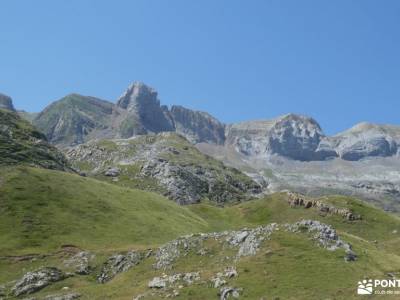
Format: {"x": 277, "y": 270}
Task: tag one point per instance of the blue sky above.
{"x": 337, "y": 61}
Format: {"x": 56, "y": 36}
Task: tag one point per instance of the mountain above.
{"x": 367, "y": 140}
{"x": 143, "y": 113}
{"x": 166, "y": 163}
{"x": 292, "y": 152}
{"x": 197, "y": 126}
{"x": 21, "y": 143}
{"x": 288, "y": 152}
{"x": 6, "y": 102}
{"x": 292, "y": 136}
{"x": 64, "y": 236}
{"x": 96, "y": 223}
{"x": 74, "y": 119}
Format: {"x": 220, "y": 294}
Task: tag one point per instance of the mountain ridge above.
{"x": 138, "y": 111}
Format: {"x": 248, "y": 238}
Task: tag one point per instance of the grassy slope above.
{"x": 41, "y": 210}
{"x": 20, "y": 142}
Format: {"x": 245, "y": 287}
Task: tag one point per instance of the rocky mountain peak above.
{"x": 197, "y": 126}
{"x": 143, "y": 112}
{"x": 136, "y": 95}
{"x": 297, "y": 137}
{"x": 6, "y": 102}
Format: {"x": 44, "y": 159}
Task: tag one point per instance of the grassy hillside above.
{"x": 20, "y": 142}
{"x": 42, "y": 210}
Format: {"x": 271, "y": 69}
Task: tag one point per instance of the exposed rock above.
{"x": 166, "y": 281}
{"x": 218, "y": 281}
{"x": 117, "y": 264}
{"x": 113, "y": 172}
{"x": 2, "y": 291}
{"x": 295, "y": 200}
{"x": 249, "y": 138}
{"x": 6, "y": 102}
{"x": 324, "y": 234}
{"x": 157, "y": 283}
{"x": 197, "y": 126}
{"x": 190, "y": 278}
{"x": 227, "y": 292}
{"x": 36, "y": 280}
{"x": 176, "y": 167}
{"x": 220, "y": 278}
{"x": 168, "y": 253}
{"x": 71, "y": 296}
{"x": 80, "y": 262}
{"x": 75, "y": 119}
{"x": 144, "y": 113}
{"x": 293, "y": 136}
{"x": 365, "y": 140}
{"x": 298, "y": 137}
{"x": 247, "y": 243}
{"x": 231, "y": 272}
{"x": 350, "y": 256}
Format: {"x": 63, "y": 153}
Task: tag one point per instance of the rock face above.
{"x": 6, "y": 102}
{"x": 366, "y": 140}
{"x": 197, "y": 126}
{"x": 36, "y": 280}
{"x": 75, "y": 119}
{"x": 292, "y": 136}
{"x": 297, "y": 200}
{"x": 143, "y": 112}
{"x": 299, "y": 138}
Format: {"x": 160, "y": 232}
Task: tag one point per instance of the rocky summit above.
{"x": 6, "y": 102}
{"x": 143, "y": 113}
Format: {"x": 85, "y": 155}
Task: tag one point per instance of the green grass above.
{"x": 40, "y": 210}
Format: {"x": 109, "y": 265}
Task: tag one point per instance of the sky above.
{"x": 336, "y": 61}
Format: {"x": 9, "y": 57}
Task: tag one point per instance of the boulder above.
{"x": 36, "y": 280}
{"x": 117, "y": 264}
{"x": 80, "y": 262}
